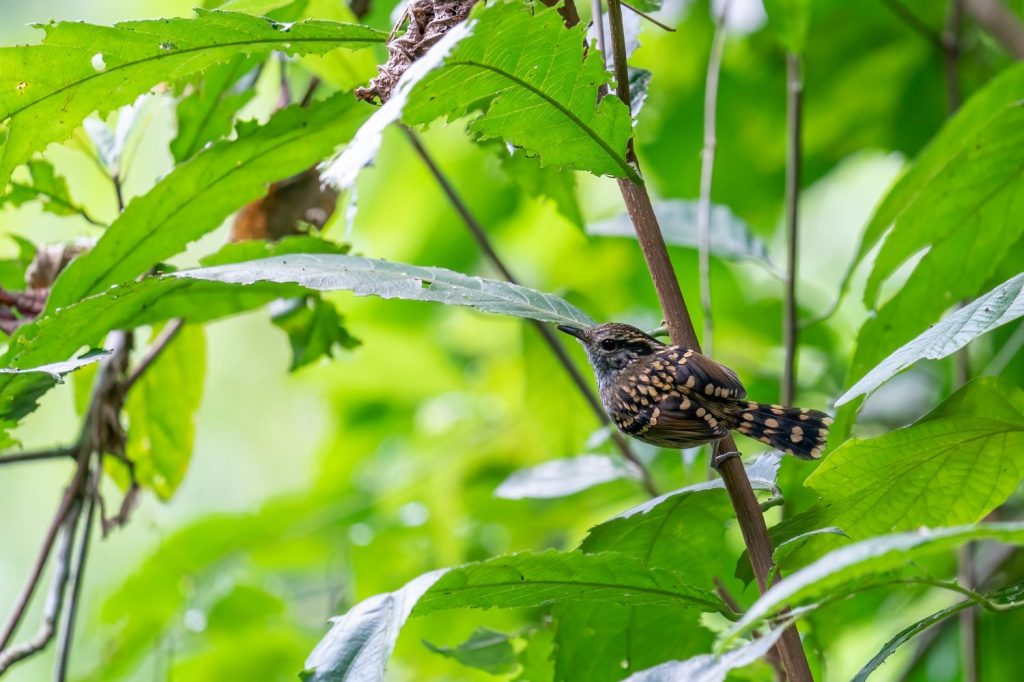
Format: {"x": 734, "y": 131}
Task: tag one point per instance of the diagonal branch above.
{"x": 480, "y": 235}
{"x": 677, "y": 318}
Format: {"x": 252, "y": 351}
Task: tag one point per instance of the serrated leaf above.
{"x": 1003, "y": 596}
{"x": 48, "y": 89}
{"x": 206, "y": 114}
{"x": 21, "y": 388}
{"x": 731, "y": 238}
{"x": 161, "y": 409}
{"x": 359, "y": 643}
{"x": 485, "y": 650}
{"x": 538, "y": 578}
{"x": 846, "y": 570}
{"x": 548, "y": 106}
{"x": 561, "y": 477}
{"x": 196, "y": 197}
{"x": 46, "y": 187}
{"x": 371, "y": 277}
{"x": 712, "y": 667}
{"x": 1000, "y": 306}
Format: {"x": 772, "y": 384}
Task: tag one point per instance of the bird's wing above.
{"x": 693, "y": 373}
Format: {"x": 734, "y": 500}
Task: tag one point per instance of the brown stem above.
{"x": 794, "y": 124}
{"x": 41, "y": 456}
{"x": 648, "y": 17}
{"x": 677, "y": 318}
{"x": 951, "y": 55}
{"x": 484, "y": 242}
{"x": 1000, "y": 23}
{"x": 161, "y": 342}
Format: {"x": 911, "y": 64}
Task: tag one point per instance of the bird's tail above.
{"x": 793, "y": 430}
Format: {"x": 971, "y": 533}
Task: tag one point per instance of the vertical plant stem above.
{"x": 484, "y": 242}
{"x": 707, "y": 168}
{"x": 680, "y": 326}
{"x": 794, "y": 126}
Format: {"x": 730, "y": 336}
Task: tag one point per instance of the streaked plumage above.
{"x": 675, "y": 397}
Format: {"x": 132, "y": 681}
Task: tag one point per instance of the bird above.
{"x": 676, "y": 397}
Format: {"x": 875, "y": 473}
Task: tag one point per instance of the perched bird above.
{"x": 675, "y": 397}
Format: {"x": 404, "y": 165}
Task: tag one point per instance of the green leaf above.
{"x": 161, "y": 409}
{"x": 548, "y": 106}
{"x": 314, "y": 329}
{"x": 46, "y": 187}
{"x": 20, "y": 389}
{"x": 790, "y": 20}
{"x": 1000, "y": 306}
{"x": 731, "y": 238}
{"x": 47, "y": 89}
{"x": 538, "y": 578}
{"x": 845, "y": 570}
{"x": 712, "y": 667}
{"x": 370, "y": 277}
{"x": 485, "y": 650}
{"x": 538, "y": 180}
{"x": 12, "y": 270}
{"x": 360, "y": 642}
{"x": 1004, "y": 595}
{"x": 937, "y": 159}
{"x": 205, "y": 115}
{"x": 561, "y": 477}
{"x": 254, "y": 249}
{"x": 196, "y": 197}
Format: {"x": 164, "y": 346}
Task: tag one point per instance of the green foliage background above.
{"x": 308, "y": 491}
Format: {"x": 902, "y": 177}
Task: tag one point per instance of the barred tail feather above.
{"x": 793, "y": 430}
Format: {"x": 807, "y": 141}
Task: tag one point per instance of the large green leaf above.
{"x": 851, "y": 568}
{"x": 1000, "y": 306}
{"x": 536, "y": 87}
{"x": 206, "y": 113}
{"x": 370, "y": 277}
{"x": 953, "y": 466}
{"x": 161, "y": 409}
{"x": 358, "y": 645}
{"x": 46, "y": 90}
{"x": 914, "y": 186}
{"x": 539, "y": 578}
{"x": 197, "y": 196}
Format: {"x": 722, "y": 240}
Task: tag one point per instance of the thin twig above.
{"x": 67, "y": 629}
{"x": 118, "y": 192}
{"x": 794, "y": 126}
{"x": 951, "y": 55}
{"x": 484, "y": 242}
{"x": 914, "y": 22}
{"x": 707, "y": 166}
{"x": 54, "y": 600}
{"x": 41, "y": 455}
{"x": 1000, "y": 23}
{"x": 161, "y": 342}
{"x": 648, "y": 17}
{"x": 677, "y": 318}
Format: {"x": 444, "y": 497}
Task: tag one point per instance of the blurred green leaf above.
{"x": 731, "y": 238}
{"x": 539, "y": 180}
{"x": 485, "y": 650}
{"x": 46, "y": 187}
{"x": 791, "y": 20}
{"x": 561, "y": 477}
{"x": 205, "y": 114}
{"x": 12, "y": 270}
{"x": 1002, "y": 305}
{"x": 103, "y": 67}
{"x": 360, "y": 642}
{"x": 244, "y": 607}
{"x": 161, "y": 409}
{"x": 1002, "y": 596}
{"x": 538, "y": 578}
{"x": 370, "y": 277}
{"x": 314, "y": 329}
{"x": 196, "y": 197}
{"x": 845, "y": 570}
{"x": 547, "y": 107}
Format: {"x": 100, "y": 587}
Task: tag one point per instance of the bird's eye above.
{"x": 608, "y": 344}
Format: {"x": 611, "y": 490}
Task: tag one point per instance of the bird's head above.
{"x": 613, "y": 347}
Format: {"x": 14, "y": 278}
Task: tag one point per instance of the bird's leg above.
{"x": 718, "y": 457}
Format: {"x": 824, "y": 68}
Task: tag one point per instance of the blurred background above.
{"x": 310, "y": 490}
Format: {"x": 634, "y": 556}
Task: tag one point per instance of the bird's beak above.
{"x": 573, "y": 331}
